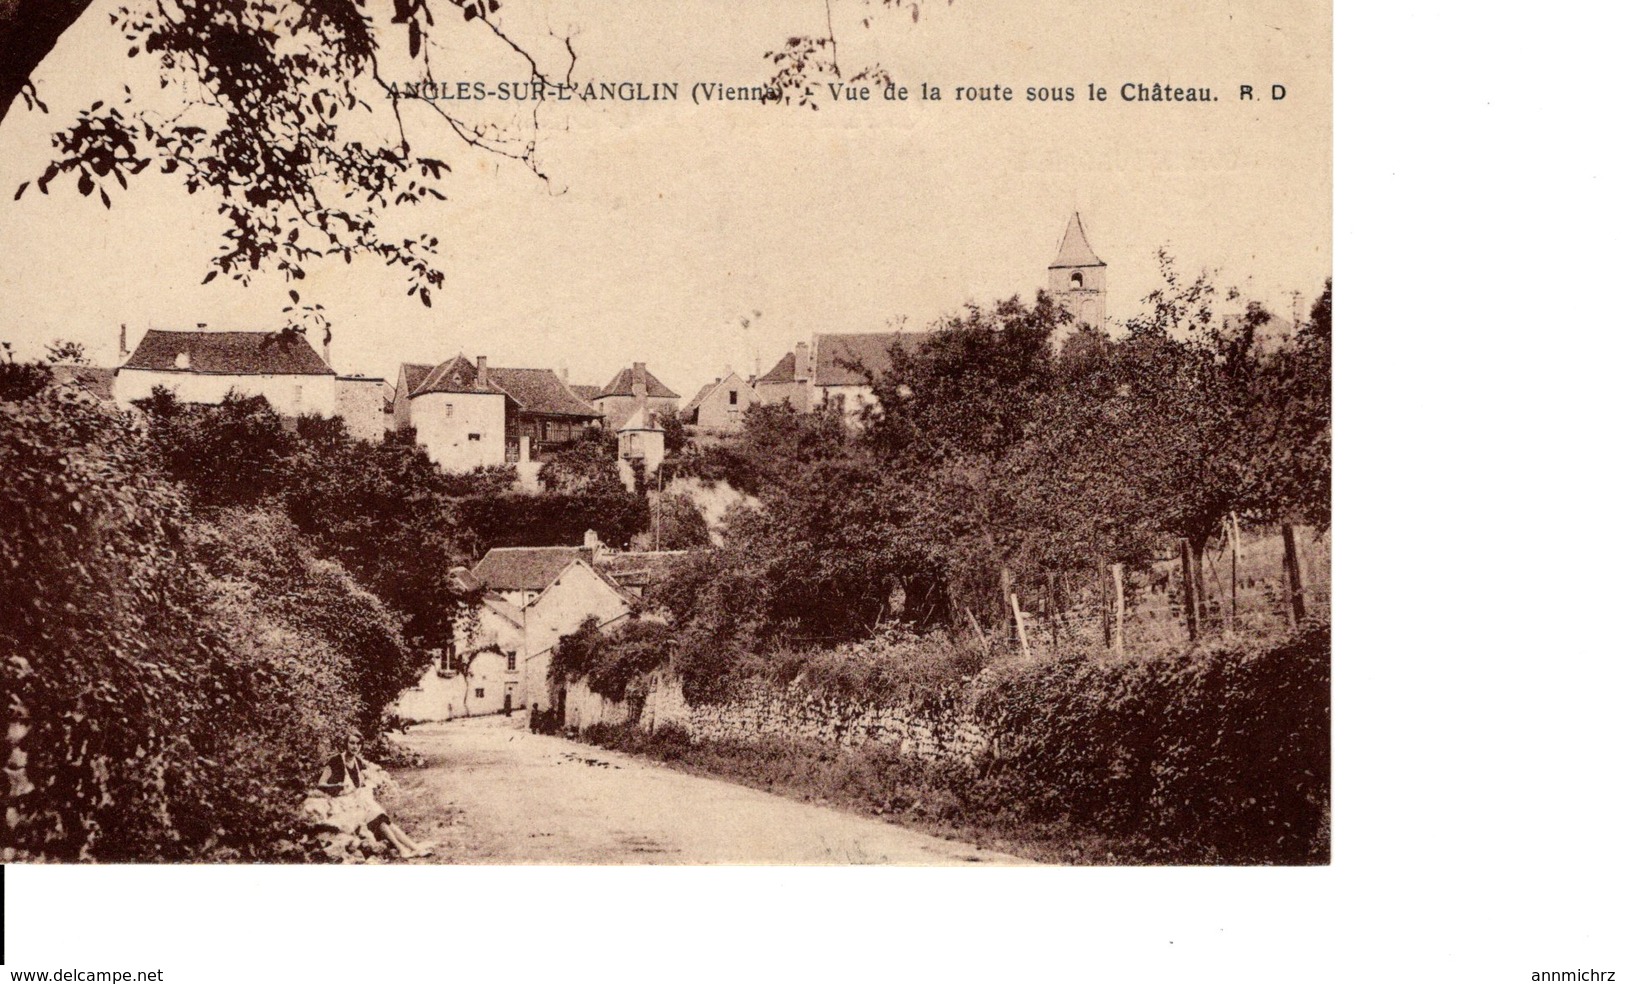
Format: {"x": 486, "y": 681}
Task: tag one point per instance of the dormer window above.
{"x": 183, "y": 360}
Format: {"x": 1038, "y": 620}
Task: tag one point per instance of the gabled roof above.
{"x": 699, "y": 398}
{"x": 236, "y": 353}
{"x": 415, "y": 374}
{"x": 1075, "y": 251}
{"x": 455, "y": 375}
{"x": 533, "y": 390}
{"x": 639, "y": 420}
{"x": 585, "y": 391}
{"x": 621, "y": 385}
{"x": 837, "y": 354}
{"x": 97, "y": 381}
{"x": 541, "y": 391}
{"x": 524, "y": 568}
{"x": 783, "y": 371}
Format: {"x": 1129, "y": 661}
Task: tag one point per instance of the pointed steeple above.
{"x": 1075, "y": 250}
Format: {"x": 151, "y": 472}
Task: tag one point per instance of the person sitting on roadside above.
{"x": 353, "y": 804}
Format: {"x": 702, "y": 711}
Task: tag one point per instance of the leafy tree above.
{"x": 279, "y": 112}
{"x": 377, "y": 509}
{"x": 549, "y": 519}
{"x": 775, "y": 444}
{"x": 170, "y": 675}
{"x": 1295, "y": 422}
{"x": 230, "y": 454}
{"x": 950, "y": 415}
{"x": 676, "y": 523}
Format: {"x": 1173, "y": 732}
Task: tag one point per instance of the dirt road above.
{"x": 494, "y": 793}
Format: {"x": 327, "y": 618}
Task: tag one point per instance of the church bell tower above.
{"x": 1077, "y": 278}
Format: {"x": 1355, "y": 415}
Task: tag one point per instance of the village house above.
{"x": 837, "y": 370}
{"x": 640, "y": 446}
{"x": 204, "y": 366}
{"x": 467, "y": 414}
{"x": 789, "y": 381}
{"x": 631, "y": 389}
{"x": 530, "y": 597}
{"x": 843, "y": 365}
{"x": 719, "y": 407}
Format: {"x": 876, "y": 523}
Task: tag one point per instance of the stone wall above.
{"x": 761, "y": 711}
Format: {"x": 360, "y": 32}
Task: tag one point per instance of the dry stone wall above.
{"x": 760, "y": 711}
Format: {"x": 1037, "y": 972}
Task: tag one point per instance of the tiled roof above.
{"x": 621, "y": 385}
{"x": 783, "y": 371}
{"x": 239, "y": 353}
{"x": 540, "y": 391}
{"x": 455, "y": 375}
{"x": 415, "y": 375}
{"x": 586, "y": 391}
{"x": 1075, "y": 251}
{"x": 534, "y": 390}
{"x": 97, "y": 381}
{"x": 837, "y": 354}
{"x": 524, "y": 568}
{"x": 693, "y": 407}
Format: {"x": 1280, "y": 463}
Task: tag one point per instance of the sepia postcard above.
{"x": 858, "y": 432}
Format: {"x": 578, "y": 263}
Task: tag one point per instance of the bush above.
{"x": 160, "y": 703}
{"x": 1218, "y": 754}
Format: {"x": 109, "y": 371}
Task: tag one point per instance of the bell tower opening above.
{"x": 1077, "y": 279}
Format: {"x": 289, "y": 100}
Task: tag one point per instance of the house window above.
{"x": 733, "y": 398}
{"x": 1077, "y": 280}
{"x": 473, "y": 437}
{"x": 513, "y": 662}
{"x": 298, "y": 395}
{"x": 479, "y": 691}
{"x": 448, "y": 411}
{"x": 448, "y": 660}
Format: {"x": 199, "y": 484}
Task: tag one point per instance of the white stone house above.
{"x": 630, "y": 390}
{"x": 842, "y": 366}
{"x": 719, "y": 407}
{"x": 639, "y": 441}
{"x": 468, "y": 414}
{"x": 531, "y": 598}
{"x": 204, "y": 366}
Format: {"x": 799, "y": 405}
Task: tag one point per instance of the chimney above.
{"x": 482, "y": 376}
{"x": 327, "y": 349}
{"x": 564, "y": 371}
{"x": 640, "y": 381}
{"x": 123, "y": 343}
{"x": 803, "y": 364}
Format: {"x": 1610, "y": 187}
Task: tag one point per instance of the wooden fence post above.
{"x": 987, "y": 648}
{"x": 1105, "y": 607}
{"x": 1294, "y": 575}
{"x": 1234, "y": 531}
{"x": 1021, "y": 625}
{"x": 1117, "y": 582}
{"x": 1193, "y": 618}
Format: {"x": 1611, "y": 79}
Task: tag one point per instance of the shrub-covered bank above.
{"x": 1216, "y": 755}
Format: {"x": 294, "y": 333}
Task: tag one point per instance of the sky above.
{"x": 666, "y": 223}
